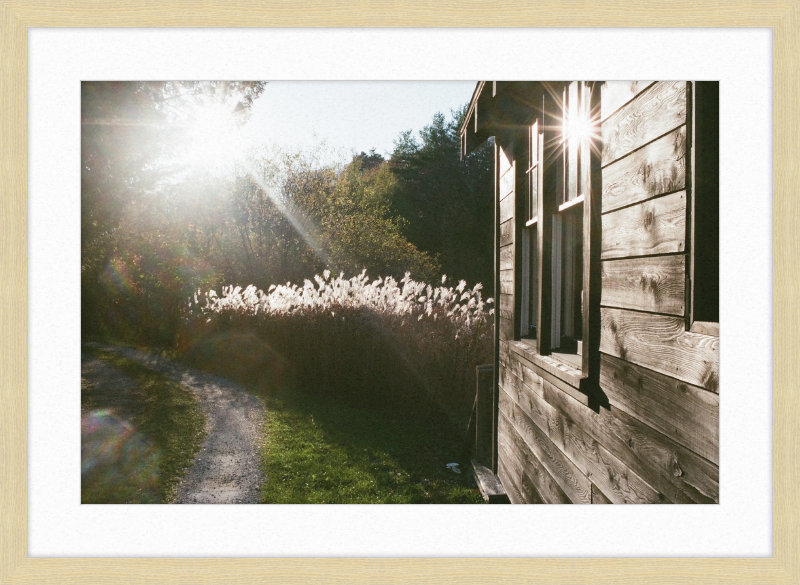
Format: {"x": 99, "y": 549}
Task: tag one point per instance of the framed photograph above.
{"x": 53, "y": 60}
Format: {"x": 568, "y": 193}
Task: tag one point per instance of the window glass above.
{"x": 533, "y": 172}
{"x": 566, "y": 320}
{"x": 567, "y": 254}
{"x": 530, "y": 290}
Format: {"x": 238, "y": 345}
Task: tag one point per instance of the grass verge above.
{"x": 318, "y": 450}
{"x": 136, "y": 449}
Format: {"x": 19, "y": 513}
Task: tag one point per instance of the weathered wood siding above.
{"x": 506, "y": 195}
{"x": 656, "y": 440}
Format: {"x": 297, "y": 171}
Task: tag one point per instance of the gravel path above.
{"x": 227, "y": 468}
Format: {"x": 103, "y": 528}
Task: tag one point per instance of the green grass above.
{"x": 168, "y": 427}
{"x": 318, "y": 450}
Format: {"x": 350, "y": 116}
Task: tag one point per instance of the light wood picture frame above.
{"x": 782, "y": 16}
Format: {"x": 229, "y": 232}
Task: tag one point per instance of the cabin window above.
{"x": 555, "y": 241}
{"x": 567, "y": 248}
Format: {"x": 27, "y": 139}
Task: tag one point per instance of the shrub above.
{"x": 405, "y": 347}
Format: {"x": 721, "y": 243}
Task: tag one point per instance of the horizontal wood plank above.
{"x": 685, "y": 413}
{"x": 678, "y": 473}
{"x": 662, "y": 344}
{"x": 656, "y": 111}
{"x": 507, "y": 233}
{"x": 656, "y": 226}
{"x": 509, "y": 472}
{"x": 503, "y": 352}
{"x": 616, "y": 94}
{"x": 565, "y": 376}
{"x": 507, "y": 307}
{"x": 534, "y": 481}
{"x": 553, "y": 375}
{"x": 505, "y": 475}
{"x": 513, "y": 367}
{"x": 507, "y": 208}
{"x": 507, "y": 455}
{"x": 507, "y": 282}
{"x": 655, "y": 284}
{"x": 659, "y": 167}
{"x": 598, "y": 497}
{"x": 681, "y": 475}
{"x": 507, "y": 258}
{"x": 619, "y": 483}
{"x": 574, "y": 483}
{"x": 506, "y": 329}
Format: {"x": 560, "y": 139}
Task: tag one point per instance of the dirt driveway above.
{"x": 227, "y": 468}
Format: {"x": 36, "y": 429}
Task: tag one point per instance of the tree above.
{"x": 363, "y": 230}
{"x": 294, "y": 218}
{"x": 158, "y": 223}
{"x": 131, "y": 132}
{"x": 129, "y": 129}
{"x": 447, "y": 202}
{"x": 275, "y": 209}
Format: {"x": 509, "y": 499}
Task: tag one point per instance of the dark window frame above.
{"x": 702, "y": 267}
{"x": 529, "y": 300}
{"x": 553, "y": 200}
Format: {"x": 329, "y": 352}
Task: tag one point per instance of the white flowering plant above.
{"x": 380, "y": 343}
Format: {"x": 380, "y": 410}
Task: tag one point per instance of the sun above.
{"x": 213, "y": 139}
{"x": 578, "y": 124}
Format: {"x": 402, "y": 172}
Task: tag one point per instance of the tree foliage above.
{"x": 447, "y": 202}
{"x": 131, "y": 229}
{"x": 362, "y": 228}
{"x": 157, "y": 224}
{"x": 295, "y": 218}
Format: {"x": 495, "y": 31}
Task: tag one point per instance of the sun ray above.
{"x": 304, "y": 228}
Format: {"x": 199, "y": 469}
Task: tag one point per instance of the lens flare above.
{"x": 118, "y": 464}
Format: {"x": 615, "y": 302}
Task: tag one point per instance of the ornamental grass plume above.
{"x": 403, "y": 346}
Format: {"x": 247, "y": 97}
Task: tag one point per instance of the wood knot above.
{"x": 676, "y": 468}
{"x": 649, "y": 218}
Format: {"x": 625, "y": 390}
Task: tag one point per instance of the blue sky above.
{"x": 350, "y": 115}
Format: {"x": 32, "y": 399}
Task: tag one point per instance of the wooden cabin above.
{"x": 606, "y": 377}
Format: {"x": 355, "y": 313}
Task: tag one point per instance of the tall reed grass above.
{"x": 405, "y": 347}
